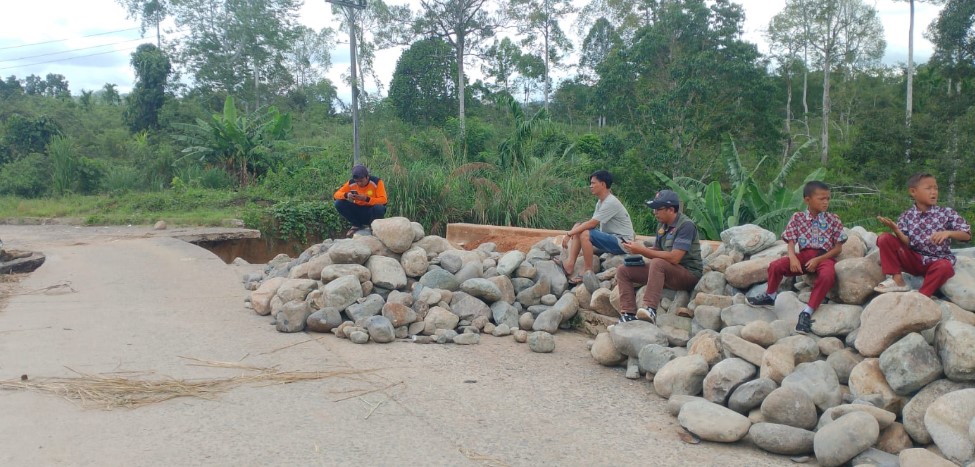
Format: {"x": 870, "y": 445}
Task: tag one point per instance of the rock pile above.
{"x": 878, "y": 377}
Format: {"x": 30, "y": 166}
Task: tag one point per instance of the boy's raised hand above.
{"x": 887, "y": 222}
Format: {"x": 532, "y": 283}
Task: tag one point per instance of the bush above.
{"x": 28, "y": 177}
{"x": 121, "y": 178}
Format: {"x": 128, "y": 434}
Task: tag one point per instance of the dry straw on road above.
{"x": 110, "y": 392}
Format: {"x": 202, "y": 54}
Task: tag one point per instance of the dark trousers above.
{"x": 360, "y": 216}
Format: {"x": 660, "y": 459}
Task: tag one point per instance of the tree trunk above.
{"x": 460, "y": 83}
{"x": 355, "y": 86}
{"x": 824, "y": 154}
{"x": 545, "y": 84}
{"x": 910, "y": 68}
{"x": 788, "y": 115}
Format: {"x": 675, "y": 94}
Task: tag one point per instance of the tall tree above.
{"x": 501, "y": 63}
{"x": 909, "y": 99}
{"x": 110, "y": 94}
{"x": 309, "y": 57}
{"x": 787, "y": 42}
{"x": 538, "y": 21}
{"x": 953, "y": 35}
{"x": 56, "y": 85}
{"x": 600, "y": 40}
{"x": 152, "y": 69}
{"x": 465, "y": 25}
{"x": 424, "y": 86}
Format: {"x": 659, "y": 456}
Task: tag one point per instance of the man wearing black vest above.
{"x": 674, "y": 260}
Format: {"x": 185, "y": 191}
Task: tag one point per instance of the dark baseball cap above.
{"x": 664, "y": 199}
{"x": 360, "y": 171}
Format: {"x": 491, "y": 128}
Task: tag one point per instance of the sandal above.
{"x": 351, "y": 232}
{"x": 558, "y": 263}
{"x": 890, "y": 286}
{"x": 575, "y": 280}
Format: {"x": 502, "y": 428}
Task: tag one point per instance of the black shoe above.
{"x": 626, "y": 317}
{"x": 761, "y": 300}
{"x": 647, "y": 314}
{"x": 804, "y": 326}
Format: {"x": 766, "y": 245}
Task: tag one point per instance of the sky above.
{"x": 90, "y": 42}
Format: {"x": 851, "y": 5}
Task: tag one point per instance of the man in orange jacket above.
{"x": 361, "y": 200}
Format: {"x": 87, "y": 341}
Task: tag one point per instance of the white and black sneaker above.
{"x": 647, "y": 314}
{"x": 626, "y": 317}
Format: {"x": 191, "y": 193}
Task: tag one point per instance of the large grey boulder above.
{"x": 836, "y": 320}
{"x": 956, "y": 346}
{"x": 856, "y": 278}
{"x": 748, "y": 238}
{"x": 380, "y": 329}
{"x": 604, "y": 352}
{"x": 960, "y": 288}
{"x": 261, "y": 298}
{"x": 468, "y": 308}
{"x": 349, "y": 252}
{"x": 434, "y": 244}
{"x": 440, "y": 279}
{"x": 293, "y": 316}
{"x": 910, "y": 364}
{"x": 653, "y": 357}
{"x": 415, "y": 262}
{"x": 840, "y": 441}
{"x": 740, "y": 315}
{"x": 750, "y": 395}
{"x": 819, "y": 381}
{"x": 913, "y": 413}
{"x": 439, "y": 318}
{"x": 370, "y": 305}
{"x": 334, "y": 271}
{"x": 790, "y": 406}
{"x": 867, "y": 379}
{"x": 324, "y": 320}
{"x": 630, "y": 337}
{"x": 510, "y": 262}
{"x": 504, "y": 313}
{"x": 386, "y": 272}
{"x": 556, "y": 278}
{"x": 681, "y": 376}
{"x": 748, "y": 273}
{"x": 725, "y": 377}
{"x": 781, "y": 439}
{"x": 340, "y": 293}
{"x": 712, "y": 422}
{"x": 482, "y": 289}
{"x": 948, "y": 420}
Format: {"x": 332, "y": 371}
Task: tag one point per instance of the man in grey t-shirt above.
{"x": 613, "y": 224}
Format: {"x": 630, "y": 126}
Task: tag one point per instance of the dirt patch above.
{"x": 507, "y": 242}
{"x": 9, "y": 286}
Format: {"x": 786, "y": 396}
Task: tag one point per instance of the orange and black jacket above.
{"x": 375, "y": 190}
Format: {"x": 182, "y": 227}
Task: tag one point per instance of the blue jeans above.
{"x": 359, "y": 216}
{"x": 605, "y": 242}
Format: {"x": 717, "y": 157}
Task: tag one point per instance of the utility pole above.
{"x": 350, "y": 7}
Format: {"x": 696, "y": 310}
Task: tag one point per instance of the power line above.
{"x": 28, "y": 57}
{"x": 62, "y": 40}
{"x": 68, "y": 58}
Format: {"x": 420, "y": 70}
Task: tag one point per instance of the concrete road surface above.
{"x": 127, "y": 302}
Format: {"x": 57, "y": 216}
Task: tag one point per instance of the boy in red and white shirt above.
{"x": 921, "y": 240}
{"x": 814, "y": 238}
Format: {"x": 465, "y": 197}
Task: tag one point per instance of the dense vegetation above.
{"x": 665, "y": 94}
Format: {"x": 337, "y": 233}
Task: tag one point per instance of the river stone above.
{"x": 399, "y": 314}
{"x": 324, "y": 320}
{"x": 296, "y": 289}
{"x": 358, "y": 336}
{"x": 948, "y": 420}
{"x": 380, "y": 329}
{"x": 510, "y": 262}
{"x": 548, "y": 321}
{"x": 682, "y": 375}
{"x": 468, "y": 308}
{"x": 470, "y": 270}
{"x": 910, "y": 364}
{"x": 315, "y": 265}
{"x": 829, "y": 345}
{"x": 891, "y": 316}
{"x": 293, "y": 316}
{"x": 919, "y": 457}
{"x": 541, "y": 342}
{"x": 709, "y": 317}
{"x": 341, "y": 292}
{"x": 913, "y": 413}
{"x": 759, "y": 332}
{"x": 875, "y": 457}
{"x": 554, "y": 274}
{"x": 960, "y": 288}
{"x": 845, "y": 438}
{"x": 708, "y": 345}
{"x": 725, "y": 377}
{"x": 956, "y": 346}
{"x": 867, "y": 378}
{"x": 836, "y": 320}
{"x": 504, "y": 313}
{"x": 631, "y": 336}
{"x": 778, "y": 361}
{"x": 434, "y": 244}
{"x": 843, "y": 361}
{"x": 856, "y": 278}
{"x": 711, "y": 282}
{"x": 894, "y": 439}
{"x": 386, "y": 272}
{"x": 349, "y": 252}
{"x": 604, "y": 352}
{"x": 750, "y": 395}
{"x": 440, "y": 279}
{"x": 468, "y": 338}
{"x": 712, "y": 422}
{"x": 365, "y": 307}
{"x": 334, "y": 271}
{"x": 781, "y": 439}
{"x": 261, "y": 298}
{"x": 790, "y": 406}
{"x": 884, "y": 418}
{"x": 414, "y": 262}
{"x": 567, "y": 306}
{"x": 819, "y": 381}
{"x": 752, "y": 353}
{"x": 439, "y": 318}
{"x": 677, "y": 402}
{"x": 653, "y": 357}
{"x": 853, "y": 247}
{"x": 748, "y": 273}
{"x": 533, "y": 295}
{"x": 482, "y": 289}
{"x": 748, "y": 238}
{"x": 395, "y": 232}
{"x": 741, "y": 315}
{"x": 526, "y": 320}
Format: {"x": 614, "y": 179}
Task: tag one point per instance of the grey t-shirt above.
{"x": 613, "y": 218}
